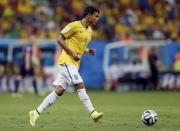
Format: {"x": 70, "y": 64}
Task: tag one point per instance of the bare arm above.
{"x": 61, "y": 42}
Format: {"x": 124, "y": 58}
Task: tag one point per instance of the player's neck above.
{"x": 85, "y": 23}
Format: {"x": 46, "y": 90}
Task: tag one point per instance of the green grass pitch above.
{"x": 122, "y": 112}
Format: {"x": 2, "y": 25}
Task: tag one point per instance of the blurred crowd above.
{"x": 120, "y": 19}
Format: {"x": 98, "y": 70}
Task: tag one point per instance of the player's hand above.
{"x": 91, "y": 51}
{"x": 75, "y": 56}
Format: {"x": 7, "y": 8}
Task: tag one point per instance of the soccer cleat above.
{"x": 33, "y": 116}
{"x": 96, "y": 116}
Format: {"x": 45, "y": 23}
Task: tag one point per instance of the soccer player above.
{"x": 73, "y": 39}
{"x": 26, "y": 68}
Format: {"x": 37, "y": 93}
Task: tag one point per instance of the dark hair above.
{"x": 89, "y": 10}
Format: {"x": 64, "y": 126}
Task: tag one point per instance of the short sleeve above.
{"x": 68, "y": 30}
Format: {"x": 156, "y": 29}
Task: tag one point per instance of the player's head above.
{"x": 91, "y": 14}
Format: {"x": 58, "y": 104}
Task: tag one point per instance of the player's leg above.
{"x": 34, "y": 82}
{"x": 50, "y": 99}
{"x": 47, "y": 102}
{"x": 16, "y": 84}
{"x": 8, "y": 83}
{"x": 61, "y": 84}
{"x": 19, "y": 75}
{"x": 84, "y": 97}
{"x": 35, "y": 85}
{"x": 77, "y": 81}
{"x": 80, "y": 88}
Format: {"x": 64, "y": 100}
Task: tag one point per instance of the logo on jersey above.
{"x": 76, "y": 77}
{"x": 90, "y": 33}
{"x": 66, "y": 29}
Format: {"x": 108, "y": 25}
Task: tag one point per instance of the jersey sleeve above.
{"x": 68, "y": 30}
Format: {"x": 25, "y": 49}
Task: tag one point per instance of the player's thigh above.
{"x": 73, "y": 74}
{"x": 61, "y": 80}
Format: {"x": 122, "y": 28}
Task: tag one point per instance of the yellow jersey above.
{"x": 77, "y": 39}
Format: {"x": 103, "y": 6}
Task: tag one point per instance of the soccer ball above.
{"x": 149, "y": 117}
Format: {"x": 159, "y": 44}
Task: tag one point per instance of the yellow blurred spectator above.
{"x": 124, "y": 2}
{"x": 120, "y": 29}
{"x": 6, "y": 23}
{"x": 160, "y": 21}
{"x": 77, "y": 4}
{"x": 24, "y": 7}
{"x": 3, "y": 2}
{"x": 16, "y": 15}
{"x": 8, "y": 11}
{"x": 23, "y": 34}
{"x": 52, "y": 34}
{"x": 148, "y": 20}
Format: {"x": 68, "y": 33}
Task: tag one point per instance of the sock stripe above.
{"x": 81, "y": 90}
{"x": 92, "y": 111}
{"x": 37, "y": 111}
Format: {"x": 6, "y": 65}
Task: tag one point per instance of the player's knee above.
{"x": 79, "y": 86}
{"x": 59, "y": 90}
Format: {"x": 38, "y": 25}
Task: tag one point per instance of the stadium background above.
{"x": 121, "y": 20}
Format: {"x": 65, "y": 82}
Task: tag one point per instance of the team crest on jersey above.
{"x": 76, "y": 77}
{"x": 89, "y": 33}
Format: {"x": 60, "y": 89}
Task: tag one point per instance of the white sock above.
{"x": 47, "y": 102}
{"x": 85, "y": 100}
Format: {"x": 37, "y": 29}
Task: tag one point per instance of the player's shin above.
{"x": 85, "y": 100}
{"x": 47, "y": 102}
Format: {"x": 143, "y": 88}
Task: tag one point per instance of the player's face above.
{"x": 94, "y": 18}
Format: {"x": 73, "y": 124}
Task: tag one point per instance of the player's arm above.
{"x": 90, "y": 51}
{"x": 62, "y": 43}
{"x": 66, "y": 33}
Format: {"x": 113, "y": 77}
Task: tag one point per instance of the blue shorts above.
{"x": 24, "y": 72}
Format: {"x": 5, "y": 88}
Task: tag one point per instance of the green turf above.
{"x": 122, "y": 112}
